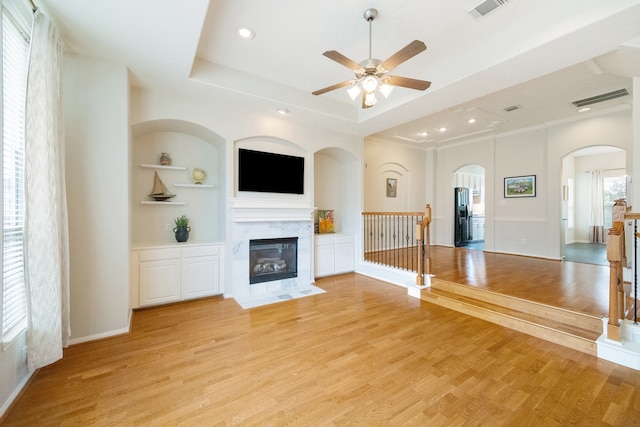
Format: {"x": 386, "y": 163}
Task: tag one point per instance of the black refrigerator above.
{"x": 463, "y": 212}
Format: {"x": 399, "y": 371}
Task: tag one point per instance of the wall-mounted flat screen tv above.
{"x": 270, "y": 172}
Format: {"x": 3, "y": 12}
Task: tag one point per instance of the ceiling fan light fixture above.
{"x": 354, "y": 91}
{"x": 385, "y": 89}
{"x": 370, "y": 84}
{"x": 371, "y": 74}
{"x": 370, "y": 99}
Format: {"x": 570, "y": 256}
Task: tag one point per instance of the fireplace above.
{"x": 273, "y": 259}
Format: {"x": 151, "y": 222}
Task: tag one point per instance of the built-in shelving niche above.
{"x": 190, "y": 146}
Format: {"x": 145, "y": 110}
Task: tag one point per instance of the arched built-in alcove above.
{"x": 190, "y": 146}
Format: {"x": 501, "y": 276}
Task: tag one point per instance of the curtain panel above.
{"x": 596, "y": 211}
{"x": 46, "y": 240}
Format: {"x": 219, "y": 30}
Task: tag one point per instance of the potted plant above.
{"x": 182, "y": 228}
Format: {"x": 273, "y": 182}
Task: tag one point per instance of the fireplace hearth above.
{"x": 273, "y": 259}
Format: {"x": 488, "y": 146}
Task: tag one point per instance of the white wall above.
{"x": 448, "y": 160}
{"x": 386, "y": 160}
{"x": 95, "y": 102}
{"x": 536, "y": 151}
{"x": 568, "y": 173}
{"x": 13, "y": 371}
{"x": 521, "y": 224}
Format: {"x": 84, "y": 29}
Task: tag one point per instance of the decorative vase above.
{"x": 182, "y": 233}
{"x": 198, "y": 175}
{"x": 165, "y": 159}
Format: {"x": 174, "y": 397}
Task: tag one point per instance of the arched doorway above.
{"x": 469, "y": 221}
{"x": 592, "y": 179}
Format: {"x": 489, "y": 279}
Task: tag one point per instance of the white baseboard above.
{"x": 103, "y": 335}
{"x": 7, "y": 404}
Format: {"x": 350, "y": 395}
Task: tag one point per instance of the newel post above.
{"x": 424, "y": 259}
{"x": 615, "y": 255}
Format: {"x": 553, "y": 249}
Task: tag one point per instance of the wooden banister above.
{"x": 424, "y": 266}
{"x": 617, "y": 257}
{"x": 615, "y": 251}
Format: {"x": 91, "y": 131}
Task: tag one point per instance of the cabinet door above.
{"x": 325, "y": 264}
{"x": 159, "y": 281}
{"x": 345, "y": 253}
{"x": 201, "y": 276}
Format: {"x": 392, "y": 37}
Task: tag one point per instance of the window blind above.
{"x": 15, "y": 54}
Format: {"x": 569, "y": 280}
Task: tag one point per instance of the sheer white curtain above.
{"x": 596, "y": 214}
{"x": 47, "y": 246}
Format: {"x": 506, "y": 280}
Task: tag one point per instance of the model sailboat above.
{"x": 159, "y": 192}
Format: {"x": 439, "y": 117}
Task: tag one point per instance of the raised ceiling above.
{"x": 538, "y": 56}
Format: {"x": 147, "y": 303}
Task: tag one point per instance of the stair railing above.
{"x": 393, "y": 239}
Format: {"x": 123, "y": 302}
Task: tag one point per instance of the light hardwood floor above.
{"x": 363, "y": 353}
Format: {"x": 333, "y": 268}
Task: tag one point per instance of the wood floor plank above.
{"x": 363, "y": 353}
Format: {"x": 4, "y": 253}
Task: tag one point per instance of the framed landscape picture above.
{"x": 520, "y": 186}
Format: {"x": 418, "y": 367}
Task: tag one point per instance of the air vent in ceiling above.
{"x": 483, "y": 7}
{"x": 602, "y": 97}
{"x": 511, "y": 108}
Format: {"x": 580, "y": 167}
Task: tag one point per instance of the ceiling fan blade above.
{"x": 341, "y": 59}
{"x": 407, "y": 52}
{"x": 407, "y": 82}
{"x": 333, "y": 87}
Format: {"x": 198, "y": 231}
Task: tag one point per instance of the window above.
{"x": 615, "y": 187}
{"x": 15, "y": 53}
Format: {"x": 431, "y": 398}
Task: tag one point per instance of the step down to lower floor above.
{"x": 571, "y": 329}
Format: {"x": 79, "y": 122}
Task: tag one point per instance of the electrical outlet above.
{"x": 167, "y": 227}
{"x": 523, "y": 241}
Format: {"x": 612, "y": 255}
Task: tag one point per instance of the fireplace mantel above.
{"x": 266, "y": 210}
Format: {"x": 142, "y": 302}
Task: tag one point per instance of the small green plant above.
{"x": 182, "y": 221}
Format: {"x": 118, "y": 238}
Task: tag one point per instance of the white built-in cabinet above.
{"x": 164, "y": 274}
{"x": 478, "y": 228}
{"x": 334, "y": 254}
{"x": 470, "y": 180}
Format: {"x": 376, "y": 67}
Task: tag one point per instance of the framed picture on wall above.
{"x": 392, "y": 187}
{"x": 520, "y": 186}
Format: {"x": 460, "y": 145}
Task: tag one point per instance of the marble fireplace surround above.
{"x": 267, "y": 219}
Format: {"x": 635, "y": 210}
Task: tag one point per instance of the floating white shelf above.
{"x": 150, "y": 202}
{"x": 177, "y": 168}
{"x": 195, "y": 185}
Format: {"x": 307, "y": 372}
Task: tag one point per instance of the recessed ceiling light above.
{"x": 584, "y": 109}
{"x": 443, "y": 129}
{"x": 423, "y": 134}
{"x": 283, "y": 111}
{"x": 471, "y": 121}
{"x": 245, "y": 33}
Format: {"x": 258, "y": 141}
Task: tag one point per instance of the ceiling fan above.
{"x": 371, "y": 74}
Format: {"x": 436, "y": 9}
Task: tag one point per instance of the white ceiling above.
{"x": 539, "y": 55}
